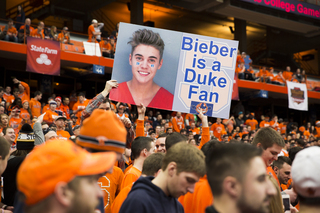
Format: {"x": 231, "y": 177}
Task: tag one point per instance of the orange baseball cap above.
{"x": 58, "y": 161}
{"x": 103, "y": 131}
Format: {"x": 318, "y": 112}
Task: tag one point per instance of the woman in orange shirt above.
{"x": 25, "y": 113}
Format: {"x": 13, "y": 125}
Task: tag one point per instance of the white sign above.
{"x": 297, "y": 96}
{"x": 92, "y": 49}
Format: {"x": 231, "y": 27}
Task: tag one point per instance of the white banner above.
{"x": 297, "y": 96}
{"x": 92, "y": 49}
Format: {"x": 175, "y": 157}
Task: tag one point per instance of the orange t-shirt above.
{"x": 218, "y": 129}
{"x": 12, "y": 30}
{"x": 64, "y": 134}
{"x": 24, "y": 114}
{"x": 229, "y": 125}
{"x": 189, "y": 117}
{"x": 7, "y": 96}
{"x": 276, "y": 125}
{"x": 131, "y": 176}
{"x": 287, "y": 75}
{"x": 62, "y": 37}
{"x": 49, "y": 117}
{"x": 239, "y": 60}
{"x": 35, "y": 107}
{"x": 117, "y": 203}
{"x": 252, "y": 122}
{"x": 200, "y": 199}
{"x": 66, "y": 110}
{"x": 127, "y": 169}
{"x": 318, "y": 131}
{"x": 23, "y": 26}
{"x": 45, "y": 108}
{"x": 80, "y": 106}
{"x": 110, "y": 185}
{"x": 90, "y": 32}
{"x": 283, "y": 128}
{"x": 264, "y": 124}
{"x": 195, "y": 131}
{"x": 35, "y": 33}
{"x": 178, "y": 124}
{"x": 15, "y": 123}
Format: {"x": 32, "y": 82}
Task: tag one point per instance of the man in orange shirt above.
{"x": 35, "y": 105}
{"x": 194, "y": 129}
{"x": 64, "y": 36}
{"x": 253, "y": 123}
{"x": 7, "y": 94}
{"x": 80, "y": 106}
{"x": 265, "y": 122}
{"x": 317, "y": 128}
{"x": 241, "y": 70}
{"x": 11, "y": 32}
{"x": 178, "y": 122}
{"x": 50, "y": 115}
{"x": 60, "y": 124}
{"x": 27, "y": 25}
{"x": 141, "y": 148}
{"x": 39, "y": 32}
{"x": 274, "y": 123}
{"x": 282, "y": 169}
{"x": 151, "y": 167}
{"x": 47, "y": 106}
{"x": 102, "y": 131}
{"x": 264, "y": 75}
{"x": 65, "y": 107}
{"x": 91, "y": 31}
{"x": 218, "y": 129}
{"x": 24, "y": 90}
{"x": 287, "y": 75}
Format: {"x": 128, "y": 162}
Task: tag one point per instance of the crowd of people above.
{"x": 134, "y": 134}
{"x": 21, "y": 29}
{"x": 244, "y": 70}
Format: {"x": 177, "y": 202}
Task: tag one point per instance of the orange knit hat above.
{"x": 103, "y": 130}
{"x": 57, "y": 161}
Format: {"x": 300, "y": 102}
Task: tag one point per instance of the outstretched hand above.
{"x": 141, "y": 111}
{"x": 204, "y": 119}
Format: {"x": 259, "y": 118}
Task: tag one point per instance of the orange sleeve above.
{"x": 128, "y": 179}
{"x": 26, "y": 89}
{"x": 205, "y": 136}
{"x": 140, "y": 128}
{"x": 174, "y": 125}
{"x": 261, "y": 124}
{"x": 117, "y": 203}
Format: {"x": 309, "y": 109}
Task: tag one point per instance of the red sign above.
{"x": 43, "y": 56}
{"x": 235, "y": 90}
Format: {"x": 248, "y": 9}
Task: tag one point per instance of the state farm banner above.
{"x": 297, "y": 96}
{"x": 174, "y": 71}
{"x": 43, "y": 56}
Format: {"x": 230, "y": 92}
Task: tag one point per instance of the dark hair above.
{"x": 301, "y": 142}
{"x": 163, "y": 135}
{"x": 36, "y": 93}
{"x": 174, "y": 138}
{"x": 147, "y": 37}
{"x": 152, "y": 164}
{"x": 280, "y": 161}
{"x": 139, "y": 144}
{"x": 208, "y": 147}
{"x": 4, "y": 148}
{"x": 229, "y": 160}
{"x": 293, "y": 151}
{"x": 81, "y": 94}
{"x": 267, "y": 136}
{"x": 1, "y": 89}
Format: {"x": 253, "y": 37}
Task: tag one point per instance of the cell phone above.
{"x": 286, "y": 203}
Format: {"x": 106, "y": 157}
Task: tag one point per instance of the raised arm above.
{"x": 205, "y": 136}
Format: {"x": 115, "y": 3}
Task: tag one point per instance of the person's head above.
{"x": 27, "y": 21}
{"x": 58, "y": 100}
{"x": 4, "y": 120}
{"x": 271, "y": 70}
{"x": 225, "y": 138}
{"x": 25, "y": 104}
{"x": 142, "y": 147}
{"x": 174, "y": 138}
{"x": 37, "y": 95}
{"x": 94, "y": 22}
{"x": 301, "y": 143}
{"x": 74, "y": 118}
{"x": 243, "y": 55}
{"x": 1, "y": 91}
{"x": 146, "y": 54}
{"x": 4, "y": 153}
{"x": 41, "y": 25}
{"x": 66, "y": 101}
{"x": 240, "y": 115}
{"x": 218, "y": 120}
{"x": 60, "y": 122}
{"x": 184, "y": 164}
{"x": 282, "y": 168}
{"x": 245, "y": 138}
{"x": 65, "y": 30}
{"x": 25, "y": 141}
{"x": 10, "y": 22}
{"x": 53, "y": 30}
{"x": 52, "y": 105}
{"x": 305, "y": 175}
{"x": 81, "y": 97}
{"x": 2, "y": 109}
{"x": 103, "y": 131}
{"x": 9, "y": 134}
{"x": 288, "y": 69}
{"x": 271, "y": 143}
{"x": 105, "y": 105}
{"x": 160, "y": 143}
{"x": 15, "y": 92}
{"x": 152, "y": 164}
{"x": 237, "y": 173}
{"x": 68, "y": 177}
{"x": 8, "y": 89}
{"x": 298, "y": 72}
{"x": 318, "y": 123}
